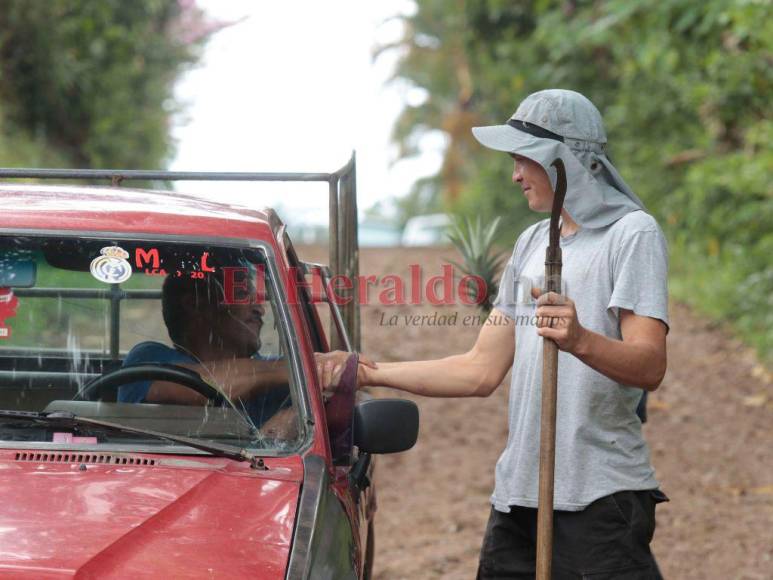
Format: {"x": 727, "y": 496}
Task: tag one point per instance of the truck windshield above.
{"x": 178, "y": 338}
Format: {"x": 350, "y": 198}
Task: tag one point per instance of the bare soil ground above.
{"x": 710, "y": 431}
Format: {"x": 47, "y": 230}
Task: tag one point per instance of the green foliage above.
{"x": 480, "y": 257}
{"x": 19, "y": 149}
{"x": 48, "y": 322}
{"x": 91, "y": 83}
{"x": 685, "y": 90}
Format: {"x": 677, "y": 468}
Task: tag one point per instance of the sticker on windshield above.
{"x": 112, "y": 267}
{"x": 8, "y": 305}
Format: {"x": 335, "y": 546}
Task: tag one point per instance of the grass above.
{"x": 712, "y": 284}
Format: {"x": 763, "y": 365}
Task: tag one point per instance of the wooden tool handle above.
{"x": 547, "y": 459}
{"x": 547, "y": 436}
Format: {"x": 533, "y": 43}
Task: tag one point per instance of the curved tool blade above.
{"x": 558, "y": 200}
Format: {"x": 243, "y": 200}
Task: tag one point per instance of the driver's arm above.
{"x": 476, "y": 373}
{"x": 283, "y": 425}
{"x": 241, "y": 378}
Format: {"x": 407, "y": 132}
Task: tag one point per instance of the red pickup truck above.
{"x": 128, "y": 320}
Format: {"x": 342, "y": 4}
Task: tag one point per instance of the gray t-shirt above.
{"x": 599, "y": 444}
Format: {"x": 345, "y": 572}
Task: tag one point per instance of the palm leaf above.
{"x": 475, "y": 243}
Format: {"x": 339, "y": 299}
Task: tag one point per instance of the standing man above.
{"x": 610, "y": 324}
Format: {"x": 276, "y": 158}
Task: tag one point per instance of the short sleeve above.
{"x": 144, "y": 352}
{"x": 640, "y": 276}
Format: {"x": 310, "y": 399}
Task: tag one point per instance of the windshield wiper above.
{"x": 69, "y": 420}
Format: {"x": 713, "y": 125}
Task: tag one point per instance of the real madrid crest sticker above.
{"x": 112, "y": 267}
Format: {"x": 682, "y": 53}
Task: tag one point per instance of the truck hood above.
{"x": 176, "y": 518}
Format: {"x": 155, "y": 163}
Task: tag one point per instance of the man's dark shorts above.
{"x": 608, "y": 540}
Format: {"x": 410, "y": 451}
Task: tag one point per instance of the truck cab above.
{"x": 109, "y": 296}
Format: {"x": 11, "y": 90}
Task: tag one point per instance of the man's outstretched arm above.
{"x": 476, "y": 373}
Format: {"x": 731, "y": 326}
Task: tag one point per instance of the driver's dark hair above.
{"x": 207, "y": 291}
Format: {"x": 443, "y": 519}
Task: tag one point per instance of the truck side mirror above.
{"x": 385, "y": 425}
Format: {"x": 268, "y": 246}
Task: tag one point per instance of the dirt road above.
{"x": 710, "y": 432}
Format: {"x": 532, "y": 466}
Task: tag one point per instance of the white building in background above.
{"x": 427, "y": 230}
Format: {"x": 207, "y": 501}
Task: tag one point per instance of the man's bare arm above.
{"x": 283, "y": 425}
{"x": 237, "y": 378}
{"x": 243, "y": 378}
{"x": 476, "y": 373}
{"x": 638, "y": 360}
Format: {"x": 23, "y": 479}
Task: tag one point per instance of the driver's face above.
{"x": 232, "y": 329}
{"x": 237, "y": 328}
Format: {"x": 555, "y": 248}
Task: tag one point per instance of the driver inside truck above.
{"x": 221, "y": 342}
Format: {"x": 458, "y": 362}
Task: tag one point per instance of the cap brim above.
{"x": 503, "y": 138}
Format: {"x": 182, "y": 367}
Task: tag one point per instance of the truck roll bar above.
{"x": 342, "y": 194}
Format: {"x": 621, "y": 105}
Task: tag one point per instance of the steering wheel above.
{"x": 150, "y": 372}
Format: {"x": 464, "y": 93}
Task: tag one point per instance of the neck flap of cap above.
{"x": 596, "y": 194}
